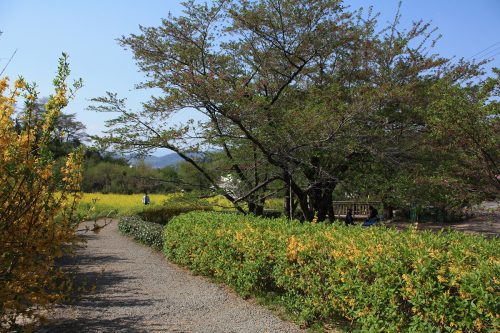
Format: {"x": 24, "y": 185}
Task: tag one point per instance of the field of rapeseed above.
{"x": 95, "y": 205}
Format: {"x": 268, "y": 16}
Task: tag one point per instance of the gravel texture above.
{"x": 137, "y": 290}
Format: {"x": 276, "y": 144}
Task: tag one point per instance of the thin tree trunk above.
{"x": 388, "y": 211}
{"x": 331, "y": 213}
{"x": 288, "y": 195}
{"x": 251, "y": 207}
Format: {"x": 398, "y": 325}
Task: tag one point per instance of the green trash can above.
{"x": 413, "y": 214}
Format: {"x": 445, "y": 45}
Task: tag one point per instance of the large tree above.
{"x": 315, "y": 90}
{"x": 67, "y": 132}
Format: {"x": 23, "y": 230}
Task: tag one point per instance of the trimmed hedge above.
{"x": 378, "y": 279}
{"x": 144, "y": 232}
{"x": 163, "y": 214}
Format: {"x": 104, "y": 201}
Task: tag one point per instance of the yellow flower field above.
{"x": 93, "y": 205}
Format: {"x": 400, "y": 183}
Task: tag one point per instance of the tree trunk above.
{"x": 256, "y": 206}
{"x": 331, "y": 213}
{"x": 286, "y": 204}
{"x": 307, "y": 212}
{"x": 259, "y": 210}
{"x": 251, "y": 207}
{"x": 388, "y": 212}
{"x": 321, "y": 202}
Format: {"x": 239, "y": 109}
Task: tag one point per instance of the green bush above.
{"x": 163, "y": 214}
{"x": 378, "y": 279}
{"x": 144, "y": 232}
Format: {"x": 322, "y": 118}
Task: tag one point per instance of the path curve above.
{"x": 140, "y": 291}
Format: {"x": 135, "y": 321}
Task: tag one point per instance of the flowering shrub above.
{"x": 36, "y": 215}
{"x": 377, "y": 279}
{"x": 147, "y": 233}
{"x": 163, "y": 214}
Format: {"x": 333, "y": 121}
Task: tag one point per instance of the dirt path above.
{"x": 483, "y": 224}
{"x": 473, "y": 226}
{"x": 139, "y": 291}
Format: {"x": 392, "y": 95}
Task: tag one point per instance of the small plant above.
{"x": 144, "y": 232}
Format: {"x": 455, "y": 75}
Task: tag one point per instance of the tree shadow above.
{"x": 95, "y": 290}
{"x": 120, "y": 324}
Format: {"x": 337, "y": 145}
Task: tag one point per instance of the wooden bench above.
{"x": 359, "y": 208}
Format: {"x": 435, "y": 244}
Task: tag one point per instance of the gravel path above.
{"x": 139, "y": 291}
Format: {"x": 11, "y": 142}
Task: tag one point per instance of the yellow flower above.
{"x": 19, "y": 84}
{"x": 441, "y": 279}
{"x": 478, "y": 323}
{"x": 335, "y": 253}
{"x": 293, "y": 248}
{"x": 45, "y": 222}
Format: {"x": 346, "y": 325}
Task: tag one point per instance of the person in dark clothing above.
{"x": 348, "y": 218}
{"x": 372, "y": 218}
{"x": 145, "y": 199}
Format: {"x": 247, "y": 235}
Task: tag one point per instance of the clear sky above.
{"x": 87, "y": 30}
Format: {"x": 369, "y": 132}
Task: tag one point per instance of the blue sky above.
{"x": 86, "y": 30}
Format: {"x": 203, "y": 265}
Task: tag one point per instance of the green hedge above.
{"x": 378, "y": 279}
{"x": 144, "y": 232}
{"x": 163, "y": 214}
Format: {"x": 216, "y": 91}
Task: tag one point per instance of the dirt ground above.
{"x": 475, "y": 225}
{"x": 138, "y": 291}
{"x": 484, "y": 220}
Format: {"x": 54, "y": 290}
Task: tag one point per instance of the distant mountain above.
{"x": 159, "y": 162}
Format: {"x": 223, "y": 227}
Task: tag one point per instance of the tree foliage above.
{"x": 117, "y": 176}
{"x": 317, "y": 95}
{"x": 36, "y": 225}
{"x": 67, "y": 134}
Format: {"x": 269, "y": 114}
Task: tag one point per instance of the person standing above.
{"x": 145, "y": 199}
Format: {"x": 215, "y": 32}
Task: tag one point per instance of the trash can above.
{"x": 413, "y": 214}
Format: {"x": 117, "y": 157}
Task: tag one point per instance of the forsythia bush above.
{"x": 163, "y": 214}
{"x": 147, "y": 233}
{"x": 378, "y": 279}
{"x": 36, "y": 225}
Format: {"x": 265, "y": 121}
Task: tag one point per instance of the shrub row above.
{"x": 378, "y": 279}
{"x": 163, "y": 214}
{"x": 144, "y": 232}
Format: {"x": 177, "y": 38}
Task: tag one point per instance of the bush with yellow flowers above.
{"x": 36, "y": 225}
{"x": 373, "y": 279}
